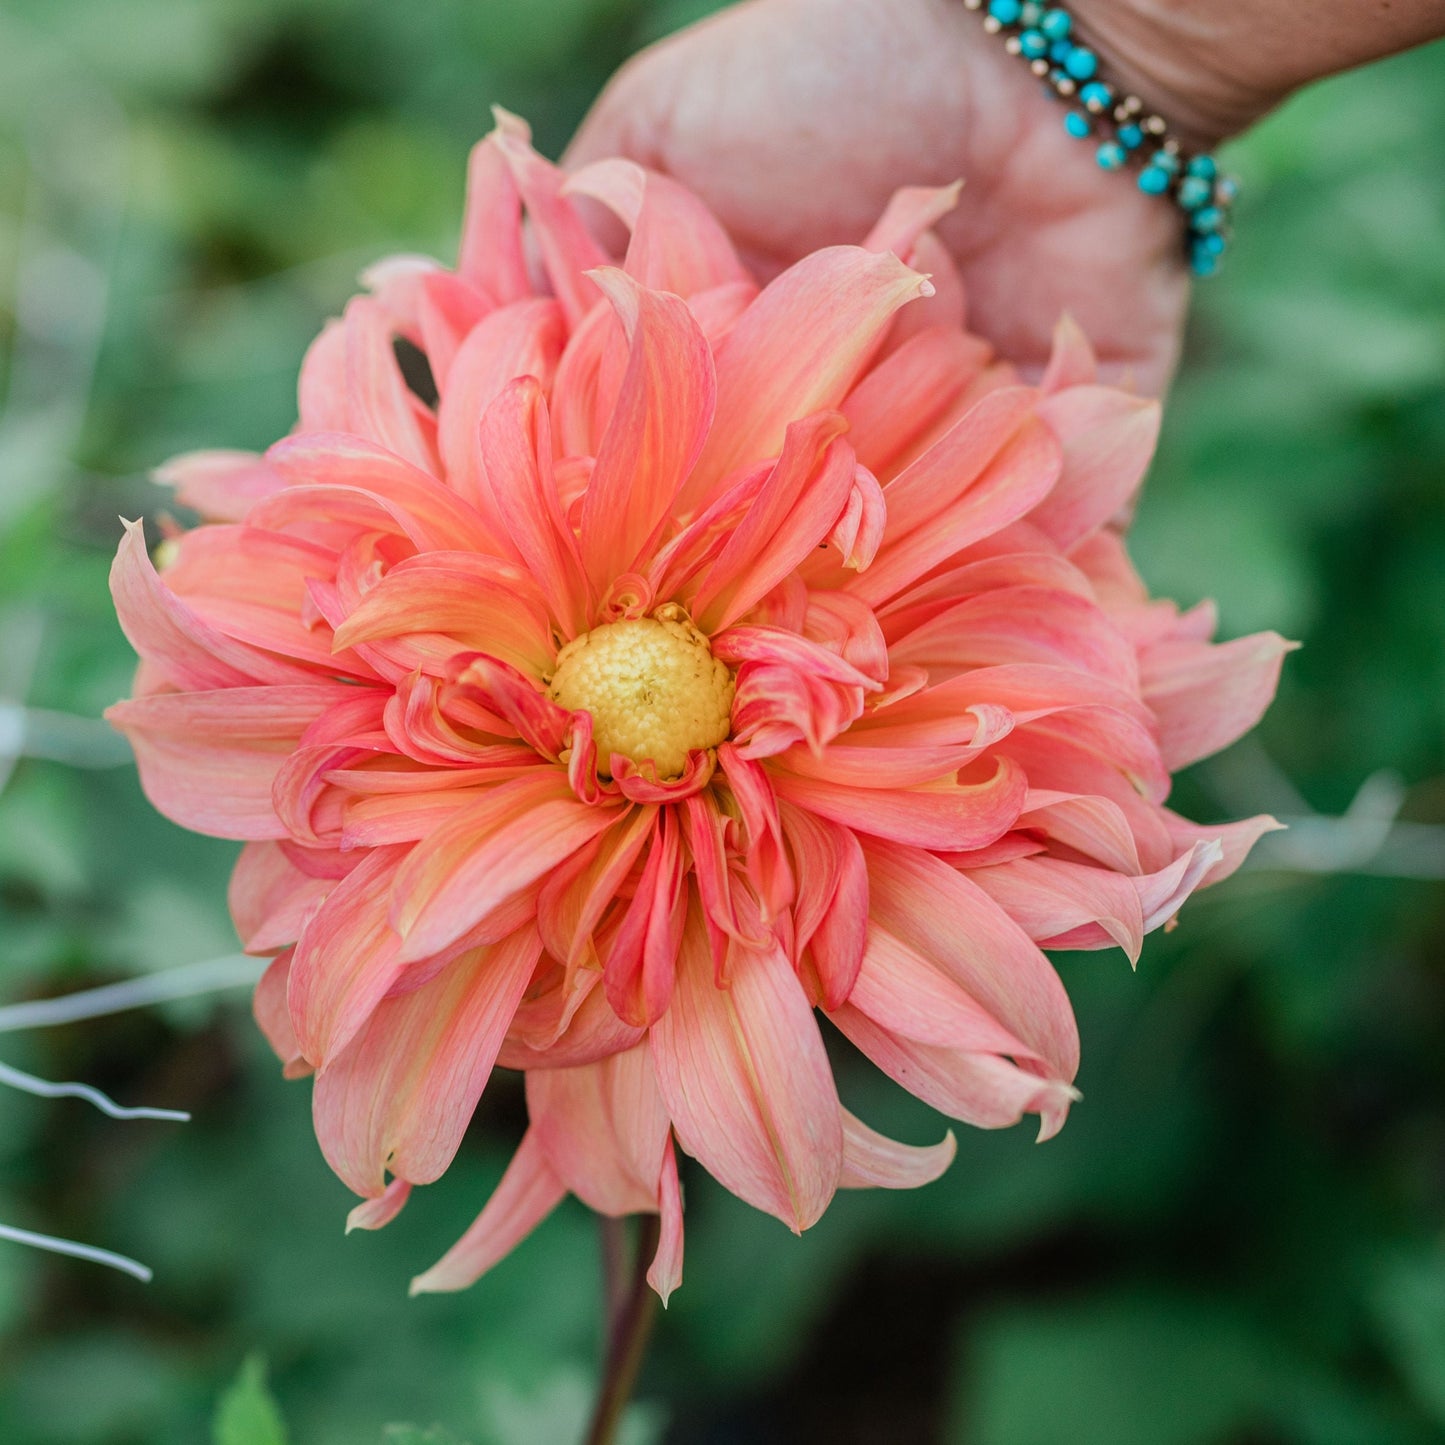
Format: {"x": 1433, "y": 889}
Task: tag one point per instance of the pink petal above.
{"x": 268, "y": 1005}
{"x": 523, "y": 339}
{"x": 665, "y": 1273}
{"x": 661, "y": 418}
{"x": 221, "y": 485}
{"x": 980, "y": 1089}
{"x": 677, "y": 244}
{"x": 490, "y": 254}
{"x": 604, "y": 1130}
{"x": 567, "y": 248}
{"x": 941, "y": 814}
{"x": 378, "y": 1213}
{"x": 336, "y": 478}
{"x": 346, "y": 959}
{"x": 903, "y": 992}
{"x": 872, "y": 1161}
{"x": 474, "y": 602}
{"x": 1048, "y": 898}
{"x": 516, "y": 445}
{"x": 950, "y": 921}
{"x": 830, "y": 913}
{"x": 638, "y": 967}
{"x": 911, "y": 211}
{"x": 528, "y": 1193}
{"x": 961, "y": 491}
{"x": 401, "y": 1094}
{"x": 1206, "y": 696}
{"x": 173, "y": 639}
{"x": 380, "y": 405}
{"x": 1108, "y": 438}
{"x": 579, "y": 891}
{"x": 270, "y": 898}
{"x": 208, "y": 760}
{"x": 485, "y": 853}
{"x": 795, "y": 510}
{"x": 1072, "y": 362}
{"x": 899, "y": 403}
{"x": 798, "y": 350}
{"x": 746, "y": 1080}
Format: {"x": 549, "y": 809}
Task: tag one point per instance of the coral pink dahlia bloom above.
{"x": 673, "y": 659}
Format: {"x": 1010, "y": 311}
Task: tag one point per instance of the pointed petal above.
{"x": 1206, "y": 696}
{"x": 400, "y": 1096}
{"x": 524, "y": 339}
{"x": 1108, "y": 439}
{"x": 208, "y": 760}
{"x": 873, "y": 1161}
{"x": 221, "y": 485}
{"x": 747, "y": 1081}
{"x": 516, "y": 446}
{"x": 665, "y": 1273}
{"x": 677, "y": 244}
{"x": 797, "y": 350}
{"x": 378, "y": 1213}
{"x": 346, "y": 958}
{"x": 657, "y": 428}
{"x": 484, "y": 854}
{"x": 528, "y": 1193}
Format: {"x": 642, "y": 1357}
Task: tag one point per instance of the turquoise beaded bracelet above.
{"x": 1043, "y": 35}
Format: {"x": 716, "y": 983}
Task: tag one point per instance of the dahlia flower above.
{"x": 672, "y": 659}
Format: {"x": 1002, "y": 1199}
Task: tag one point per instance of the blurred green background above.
{"x": 1237, "y": 1239}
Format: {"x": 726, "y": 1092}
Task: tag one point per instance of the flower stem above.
{"x": 630, "y": 1308}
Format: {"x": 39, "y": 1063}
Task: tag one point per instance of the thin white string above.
{"x": 29, "y": 1084}
{"x": 190, "y": 979}
{"x": 77, "y": 1251}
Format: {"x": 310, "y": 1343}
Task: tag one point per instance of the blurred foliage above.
{"x": 1237, "y": 1240}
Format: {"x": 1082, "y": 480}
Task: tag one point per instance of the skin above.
{"x": 797, "y": 119}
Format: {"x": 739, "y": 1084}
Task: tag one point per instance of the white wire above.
{"x": 77, "y": 1251}
{"x": 46, "y": 1090}
{"x": 190, "y": 979}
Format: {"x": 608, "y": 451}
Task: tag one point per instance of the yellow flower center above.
{"x": 653, "y": 687}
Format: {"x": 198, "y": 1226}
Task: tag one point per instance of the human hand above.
{"x": 797, "y": 119}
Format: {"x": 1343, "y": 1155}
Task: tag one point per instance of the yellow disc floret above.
{"x": 653, "y": 687}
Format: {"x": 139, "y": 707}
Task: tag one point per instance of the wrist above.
{"x": 1211, "y": 69}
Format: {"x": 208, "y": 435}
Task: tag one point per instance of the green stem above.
{"x": 630, "y": 1317}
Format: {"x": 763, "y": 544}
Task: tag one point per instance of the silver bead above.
{"x": 992, "y": 24}
{"x": 1065, "y": 85}
{"x": 1039, "y": 67}
{"x": 1013, "y": 45}
{"x": 1155, "y": 125}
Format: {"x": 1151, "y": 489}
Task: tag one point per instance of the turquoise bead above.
{"x": 1031, "y": 13}
{"x": 1227, "y": 190}
{"x": 1203, "y": 167}
{"x": 1082, "y": 63}
{"x": 1077, "y": 124}
{"x": 1056, "y": 24}
{"x": 1060, "y": 51}
{"x": 1111, "y": 155}
{"x": 1167, "y": 162}
{"x": 1005, "y": 11}
{"x": 1131, "y": 137}
{"x": 1211, "y": 218}
{"x": 1215, "y": 244}
{"x": 1194, "y": 191}
{"x": 1203, "y": 262}
{"x": 1096, "y": 93}
{"x": 1153, "y": 181}
{"x": 1032, "y": 44}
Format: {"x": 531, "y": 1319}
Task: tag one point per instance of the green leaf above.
{"x": 247, "y": 1413}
